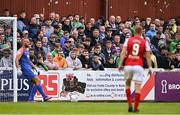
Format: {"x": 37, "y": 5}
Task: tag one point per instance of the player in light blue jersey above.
{"x": 22, "y": 59}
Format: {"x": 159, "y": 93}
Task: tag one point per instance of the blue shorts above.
{"x": 28, "y": 73}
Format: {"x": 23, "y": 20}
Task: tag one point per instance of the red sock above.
{"x": 128, "y": 95}
{"x": 136, "y": 101}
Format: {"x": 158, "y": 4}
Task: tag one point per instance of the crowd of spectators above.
{"x": 73, "y": 42}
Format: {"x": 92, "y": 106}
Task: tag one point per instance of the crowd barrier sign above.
{"x": 167, "y": 86}
{"x": 93, "y": 85}
{"x": 98, "y": 85}
{"x": 6, "y": 86}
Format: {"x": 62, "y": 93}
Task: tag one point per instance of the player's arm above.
{"x": 148, "y": 56}
{"x": 33, "y": 66}
{"x": 18, "y": 56}
{"x": 123, "y": 54}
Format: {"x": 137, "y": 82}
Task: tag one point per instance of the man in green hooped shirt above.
{"x": 173, "y": 45}
{"x": 175, "y": 42}
{"x": 76, "y": 23}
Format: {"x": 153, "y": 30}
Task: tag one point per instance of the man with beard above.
{"x": 73, "y": 62}
{"x": 22, "y": 59}
{"x": 95, "y": 37}
{"x": 98, "y": 53}
{"x": 84, "y": 58}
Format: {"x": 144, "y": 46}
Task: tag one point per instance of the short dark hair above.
{"x": 56, "y": 26}
{"x": 72, "y": 37}
{"x": 38, "y": 41}
{"x": 108, "y": 29}
{"x": 31, "y": 49}
{"x": 65, "y": 32}
{"x": 108, "y": 41}
{"x": 97, "y": 45}
{"x": 87, "y": 39}
{"x": 80, "y": 27}
{"x": 57, "y": 45}
{"x": 7, "y": 50}
{"x": 85, "y": 50}
{"x": 95, "y": 29}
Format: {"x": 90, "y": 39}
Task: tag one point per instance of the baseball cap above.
{"x": 80, "y": 27}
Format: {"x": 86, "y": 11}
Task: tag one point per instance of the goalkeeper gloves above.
{"x": 19, "y": 72}
{"x": 35, "y": 71}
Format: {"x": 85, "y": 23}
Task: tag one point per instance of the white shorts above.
{"x": 136, "y": 73}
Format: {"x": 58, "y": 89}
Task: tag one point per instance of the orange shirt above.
{"x": 60, "y": 61}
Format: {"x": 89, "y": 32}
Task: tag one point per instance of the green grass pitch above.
{"x": 89, "y": 108}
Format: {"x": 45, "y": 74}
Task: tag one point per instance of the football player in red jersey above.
{"x": 133, "y": 50}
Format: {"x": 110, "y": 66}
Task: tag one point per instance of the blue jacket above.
{"x": 151, "y": 33}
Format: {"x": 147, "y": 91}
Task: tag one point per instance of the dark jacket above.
{"x": 33, "y": 29}
{"x": 85, "y": 61}
{"x": 67, "y": 28}
{"x": 41, "y": 51}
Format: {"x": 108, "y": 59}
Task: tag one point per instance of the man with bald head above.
{"x": 23, "y": 61}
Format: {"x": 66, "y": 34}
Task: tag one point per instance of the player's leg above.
{"x": 128, "y": 94}
{"x": 138, "y": 75}
{"x": 31, "y": 75}
{"x": 28, "y": 73}
{"x": 38, "y": 86}
{"x": 32, "y": 94}
{"x": 137, "y": 96}
{"x": 128, "y": 77}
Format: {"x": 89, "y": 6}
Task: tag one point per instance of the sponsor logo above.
{"x": 7, "y": 85}
{"x": 49, "y": 84}
{"x": 167, "y": 87}
{"x": 164, "y": 86}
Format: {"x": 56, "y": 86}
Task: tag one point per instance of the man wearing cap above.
{"x": 25, "y": 34}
